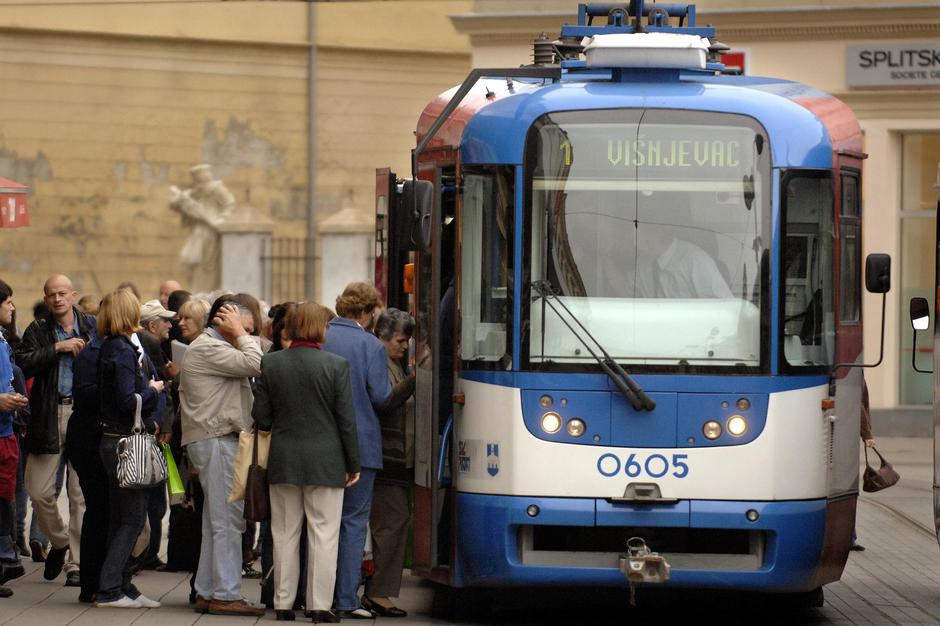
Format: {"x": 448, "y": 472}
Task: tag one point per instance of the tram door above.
{"x": 847, "y": 322}
{"x": 416, "y": 278}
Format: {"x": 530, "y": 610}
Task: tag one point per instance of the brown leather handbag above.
{"x": 881, "y": 478}
{"x": 257, "y": 498}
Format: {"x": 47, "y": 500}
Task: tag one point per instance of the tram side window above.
{"x": 850, "y": 293}
{"x": 486, "y": 266}
{"x": 808, "y": 290}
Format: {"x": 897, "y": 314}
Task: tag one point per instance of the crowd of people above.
{"x": 198, "y": 371}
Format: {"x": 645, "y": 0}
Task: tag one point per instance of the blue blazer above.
{"x": 119, "y": 378}
{"x": 371, "y": 391}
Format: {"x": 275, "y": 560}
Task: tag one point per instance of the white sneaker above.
{"x": 147, "y": 603}
{"x": 121, "y": 603}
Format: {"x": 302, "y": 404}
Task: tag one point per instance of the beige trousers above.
{"x": 40, "y": 485}
{"x": 323, "y": 508}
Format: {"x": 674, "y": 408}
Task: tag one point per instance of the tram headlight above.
{"x": 737, "y": 425}
{"x": 575, "y": 427}
{"x": 546, "y": 401}
{"x": 711, "y": 429}
{"x": 551, "y": 422}
{"x": 743, "y": 404}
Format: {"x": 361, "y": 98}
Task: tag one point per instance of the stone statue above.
{"x": 204, "y": 207}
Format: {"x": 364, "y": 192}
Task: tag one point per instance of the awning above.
{"x": 13, "y": 212}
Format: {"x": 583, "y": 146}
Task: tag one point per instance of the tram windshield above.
{"x": 651, "y": 226}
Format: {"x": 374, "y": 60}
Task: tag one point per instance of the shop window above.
{"x": 920, "y": 155}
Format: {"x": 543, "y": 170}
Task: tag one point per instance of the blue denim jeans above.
{"x": 8, "y": 552}
{"x": 220, "y": 559}
{"x": 357, "y": 503}
{"x": 128, "y": 511}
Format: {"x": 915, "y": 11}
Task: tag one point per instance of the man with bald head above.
{"x": 46, "y": 352}
{"x": 166, "y": 288}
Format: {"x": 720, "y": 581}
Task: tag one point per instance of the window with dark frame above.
{"x": 850, "y": 303}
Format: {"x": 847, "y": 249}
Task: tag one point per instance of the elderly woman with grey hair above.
{"x": 390, "y": 501}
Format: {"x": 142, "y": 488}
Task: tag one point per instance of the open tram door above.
{"x": 414, "y": 271}
{"x": 920, "y": 320}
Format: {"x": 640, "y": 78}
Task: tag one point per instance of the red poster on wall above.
{"x": 13, "y": 211}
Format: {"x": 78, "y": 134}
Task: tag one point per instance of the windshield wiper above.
{"x": 624, "y": 382}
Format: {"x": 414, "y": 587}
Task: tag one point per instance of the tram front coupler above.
{"x": 641, "y": 565}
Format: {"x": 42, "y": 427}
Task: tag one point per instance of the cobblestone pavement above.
{"x": 896, "y": 580}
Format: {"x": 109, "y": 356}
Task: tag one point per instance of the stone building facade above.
{"x": 103, "y": 108}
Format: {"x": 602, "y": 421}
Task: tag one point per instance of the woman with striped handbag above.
{"x": 128, "y": 402}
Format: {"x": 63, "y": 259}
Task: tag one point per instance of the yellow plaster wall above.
{"x": 103, "y": 107}
{"x": 267, "y": 22}
{"x": 99, "y": 128}
{"x": 367, "y": 108}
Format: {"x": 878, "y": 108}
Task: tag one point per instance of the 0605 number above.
{"x": 654, "y": 465}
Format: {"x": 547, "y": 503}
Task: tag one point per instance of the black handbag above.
{"x": 257, "y": 498}
{"x": 185, "y": 532}
{"x": 881, "y": 478}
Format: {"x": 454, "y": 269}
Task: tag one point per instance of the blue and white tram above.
{"x": 635, "y": 274}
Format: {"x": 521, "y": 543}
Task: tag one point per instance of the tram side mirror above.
{"x": 920, "y": 313}
{"x": 417, "y": 201}
{"x": 878, "y": 273}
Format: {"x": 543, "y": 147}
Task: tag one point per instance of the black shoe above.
{"x": 192, "y": 596}
{"x": 37, "y": 551}
{"x": 10, "y": 570}
{"x": 857, "y": 547}
{"x": 284, "y": 615}
{"x": 135, "y": 564}
{"x": 381, "y": 611}
{"x": 73, "y": 579}
{"x": 5, "y": 592}
{"x": 54, "y": 562}
{"x": 360, "y": 613}
{"x": 86, "y": 598}
{"x": 249, "y": 572}
{"x": 323, "y": 617}
{"x": 153, "y": 562}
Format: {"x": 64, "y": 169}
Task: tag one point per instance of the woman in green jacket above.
{"x": 303, "y": 397}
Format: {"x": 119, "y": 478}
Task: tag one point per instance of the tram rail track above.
{"x": 901, "y": 515}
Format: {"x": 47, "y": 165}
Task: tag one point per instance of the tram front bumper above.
{"x": 770, "y": 546}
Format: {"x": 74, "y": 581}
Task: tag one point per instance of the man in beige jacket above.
{"x": 215, "y": 405}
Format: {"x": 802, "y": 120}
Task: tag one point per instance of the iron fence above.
{"x": 284, "y": 265}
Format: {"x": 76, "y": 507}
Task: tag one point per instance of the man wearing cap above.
{"x": 45, "y": 354}
{"x": 155, "y": 323}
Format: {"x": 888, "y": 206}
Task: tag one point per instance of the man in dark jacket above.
{"x": 49, "y": 345}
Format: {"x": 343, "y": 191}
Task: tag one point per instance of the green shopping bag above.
{"x": 174, "y": 485}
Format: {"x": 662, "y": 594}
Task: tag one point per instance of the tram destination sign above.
{"x": 893, "y": 65}
{"x": 697, "y": 151}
